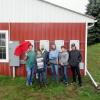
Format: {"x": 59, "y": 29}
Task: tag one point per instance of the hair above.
{"x": 38, "y": 50}
{"x": 52, "y": 45}
{"x": 73, "y": 45}
{"x": 30, "y": 45}
{"x": 63, "y": 47}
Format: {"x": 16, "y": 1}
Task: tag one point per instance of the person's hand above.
{"x": 57, "y": 62}
{"x": 25, "y": 58}
{"x": 61, "y": 64}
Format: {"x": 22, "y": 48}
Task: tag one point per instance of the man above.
{"x": 53, "y": 58}
{"x": 45, "y": 55}
{"x": 30, "y": 58}
{"x": 63, "y": 60}
{"x": 74, "y": 60}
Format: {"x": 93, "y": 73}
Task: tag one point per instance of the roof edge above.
{"x": 91, "y": 17}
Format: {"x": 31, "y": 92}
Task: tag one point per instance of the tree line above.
{"x": 93, "y": 9}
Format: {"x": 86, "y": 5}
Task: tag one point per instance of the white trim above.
{"x": 7, "y": 53}
{"x": 86, "y": 33}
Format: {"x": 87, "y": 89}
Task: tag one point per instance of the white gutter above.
{"x": 94, "y": 82}
{"x": 86, "y": 70}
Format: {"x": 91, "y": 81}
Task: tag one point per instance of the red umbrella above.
{"x": 22, "y": 48}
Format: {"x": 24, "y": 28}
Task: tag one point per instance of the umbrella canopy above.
{"x": 22, "y": 48}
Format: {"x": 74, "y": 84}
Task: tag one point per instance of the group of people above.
{"x": 37, "y": 62}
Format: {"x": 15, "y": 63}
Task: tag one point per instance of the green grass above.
{"x": 16, "y": 89}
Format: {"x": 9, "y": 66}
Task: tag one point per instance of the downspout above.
{"x": 86, "y": 70}
{"x": 9, "y": 26}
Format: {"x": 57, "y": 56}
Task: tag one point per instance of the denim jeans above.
{"x": 75, "y": 73}
{"x": 41, "y": 75}
{"x": 64, "y": 75}
{"x": 45, "y": 73}
{"x": 55, "y": 73}
{"x": 30, "y": 74}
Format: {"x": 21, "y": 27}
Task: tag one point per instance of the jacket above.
{"x": 45, "y": 55}
{"x": 63, "y": 58}
{"x": 31, "y": 59}
{"x": 75, "y": 57}
{"x": 53, "y": 56}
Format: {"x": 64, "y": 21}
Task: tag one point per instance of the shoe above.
{"x": 80, "y": 84}
{"x": 45, "y": 85}
{"x": 66, "y": 83}
{"x": 73, "y": 82}
{"x": 31, "y": 84}
{"x": 27, "y": 84}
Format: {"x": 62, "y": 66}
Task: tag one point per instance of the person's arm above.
{"x": 59, "y": 58}
{"x": 35, "y": 58}
{"x": 26, "y": 57}
{"x": 80, "y": 57}
{"x": 50, "y": 56}
{"x": 67, "y": 56}
{"x": 47, "y": 57}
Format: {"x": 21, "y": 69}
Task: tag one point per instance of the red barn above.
{"x": 37, "y": 20}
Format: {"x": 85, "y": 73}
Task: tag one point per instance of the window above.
{"x": 3, "y": 46}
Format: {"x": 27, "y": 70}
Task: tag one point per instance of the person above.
{"x": 53, "y": 59}
{"x": 63, "y": 61}
{"x": 74, "y": 60}
{"x": 45, "y": 55}
{"x": 30, "y": 58}
{"x": 40, "y": 68}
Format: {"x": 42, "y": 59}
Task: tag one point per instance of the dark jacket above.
{"x": 74, "y": 57}
{"x": 45, "y": 55}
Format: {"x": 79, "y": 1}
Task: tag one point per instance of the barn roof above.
{"x": 65, "y": 8}
{"x": 39, "y": 11}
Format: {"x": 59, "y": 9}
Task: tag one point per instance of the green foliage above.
{"x": 93, "y": 9}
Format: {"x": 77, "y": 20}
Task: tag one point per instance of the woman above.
{"x": 53, "y": 59}
{"x": 45, "y": 55}
{"x": 63, "y": 60}
{"x": 30, "y": 58}
{"x": 40, "y": 67}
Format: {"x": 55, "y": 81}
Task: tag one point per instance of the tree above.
{"x": 93, "y": 9}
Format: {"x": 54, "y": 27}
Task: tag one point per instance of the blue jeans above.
{"x": 30, "y": 74}
{"x": 55, "y": 73}
{"x": 64, "y": 73}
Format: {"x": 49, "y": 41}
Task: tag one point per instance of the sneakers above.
{"x": 66, "y": 83}
{"x": 80, "y": 84}
{"x": 31, "y": 84}
{"x": 28, "y": 84}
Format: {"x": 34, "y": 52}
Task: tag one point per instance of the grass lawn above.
{"x": 16, "y": 89}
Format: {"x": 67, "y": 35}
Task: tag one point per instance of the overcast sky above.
{"x": 76, "y": 5}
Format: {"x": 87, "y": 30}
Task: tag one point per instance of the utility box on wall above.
{"x": 14, "y": 60}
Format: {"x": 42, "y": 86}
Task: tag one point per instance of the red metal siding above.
{"x": 42, "y": 31}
